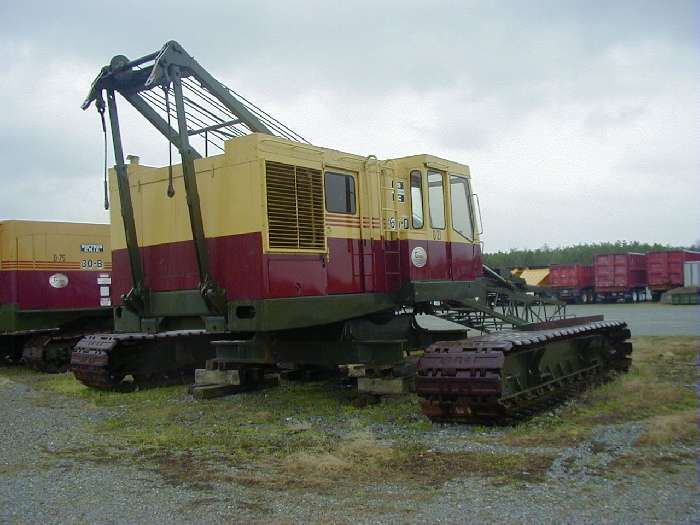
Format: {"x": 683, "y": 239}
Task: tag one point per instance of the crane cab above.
{"x": 436, "y": 220}
{"x": 285, "y": 220}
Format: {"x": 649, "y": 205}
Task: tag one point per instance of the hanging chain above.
{"x": 101, "y": 110}
{"x": 171, "y": 188}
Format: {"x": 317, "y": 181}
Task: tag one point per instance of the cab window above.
{"x": 462, "y": 217}
{"x": 416, "y": 199}
{"x": 340, "y": 193}
{"x": 436, "y": 200}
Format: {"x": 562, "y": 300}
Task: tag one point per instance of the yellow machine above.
{"x": 533, "y": 276}
{"x": 278, "y": 252}
{"x": 55, "y": 278}
{"x": 46, "y": 245}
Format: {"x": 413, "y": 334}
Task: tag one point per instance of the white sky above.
{"x": 580, "y": 120}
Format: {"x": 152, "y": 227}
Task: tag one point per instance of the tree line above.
{"x": 577, "y": 253}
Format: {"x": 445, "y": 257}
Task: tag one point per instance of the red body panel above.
{"x": 236, "y": 262}
{"x": 465, "y": 261}
{"x": 665, "y": 269}
{"x": 620, "y": 272}
{"x": 30, "y": 290}
{"x": 344, "y": 268}
{"x": 245, "y": 272}
{"x": 576, "y": 276}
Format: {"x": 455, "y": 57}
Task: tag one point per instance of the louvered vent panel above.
{"x": 294, "y": 207}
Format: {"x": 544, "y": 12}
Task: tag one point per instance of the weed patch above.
{"x": 361, "y": 458}
{"x": 659, "y": 387}
{"x": 650, "y": 463}
{"x": 671, "y": 429}
{"x": 311, "y": 435}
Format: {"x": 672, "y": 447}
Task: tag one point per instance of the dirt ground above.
{"x": 625, "y": 452}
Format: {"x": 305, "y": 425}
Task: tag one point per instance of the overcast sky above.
{"x": 580, "y": 120}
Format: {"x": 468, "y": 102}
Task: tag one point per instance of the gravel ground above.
{"x": 42, "y": 482}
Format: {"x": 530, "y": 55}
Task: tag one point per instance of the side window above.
{"x": 462, "y": 218}
{"x": 436, "y": 200}
{"x": 340, "y": 193}
{"x": 417, "y": 199}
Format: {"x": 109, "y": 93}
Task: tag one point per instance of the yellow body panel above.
{"x": 232, "y": 190}
{"x": 43, "y": 245}
{"x": 403, "y": 168}
{"x": 532, "y": 276}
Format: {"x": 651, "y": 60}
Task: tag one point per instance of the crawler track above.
{"x": 49, "y": 353}
{"x": 102, "y": 361}
{"x": 507, "y": 375}
{"x": 12, "y": 344}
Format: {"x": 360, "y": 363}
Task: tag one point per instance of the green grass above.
{"x": 275, "y": 422}
{"x": 312, "y": 434}
{"x": 660, "y": 383}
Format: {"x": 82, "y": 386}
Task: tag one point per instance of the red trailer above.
{"x": 572, "y": 282}
{"x": 621, "y": 276}
{"x": 665, "y": 269}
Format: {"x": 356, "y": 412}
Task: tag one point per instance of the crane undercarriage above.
{"x": 506, "y": 352}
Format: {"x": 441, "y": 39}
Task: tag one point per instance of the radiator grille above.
{"x": 294, "y": 207}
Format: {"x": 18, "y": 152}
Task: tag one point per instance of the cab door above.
{"x": 427, "y": 254}
{"x": 414, "y": 253}
{"x": 345, "y": 260}
{"x": 465, "y": 260}
{"x": 439, "y": 249}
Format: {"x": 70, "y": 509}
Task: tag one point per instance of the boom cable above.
{"x": 171, "y": 189}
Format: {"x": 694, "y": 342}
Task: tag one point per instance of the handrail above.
{"x": 478, "y": 209}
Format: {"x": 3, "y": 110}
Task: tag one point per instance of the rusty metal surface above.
{"x": 49, "y": 353}
{"x": 33, "y": 352}
{"x": 90, "y": 361}
{"x": 93, "y": 363}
